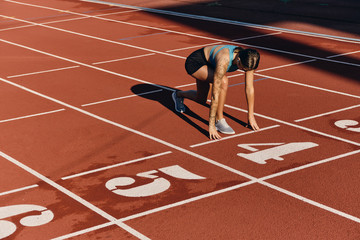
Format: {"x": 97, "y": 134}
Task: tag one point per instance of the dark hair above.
{"x": 249, "y": 58}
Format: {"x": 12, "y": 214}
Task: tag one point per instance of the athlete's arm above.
{"x": 220, "y": 70}
{"x": 250, "y": 98}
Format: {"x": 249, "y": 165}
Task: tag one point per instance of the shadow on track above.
{"x": 162, "y": 94}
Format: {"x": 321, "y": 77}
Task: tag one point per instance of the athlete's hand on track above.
{"x": 252, "y": 123}
{"x": 213, "y": 133}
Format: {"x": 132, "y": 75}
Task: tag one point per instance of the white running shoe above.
{"x": 223, "y": 127}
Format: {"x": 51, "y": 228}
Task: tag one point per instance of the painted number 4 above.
{"x": 276, "y": 153}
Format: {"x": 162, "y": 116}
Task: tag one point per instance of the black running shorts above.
{"x": 195, "y": 61}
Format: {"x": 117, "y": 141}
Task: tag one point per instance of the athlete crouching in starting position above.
{"x": 208, "y": 66}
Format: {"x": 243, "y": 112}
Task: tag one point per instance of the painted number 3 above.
{"x": 159, "y": 184}
{"x": 348, "y": 125}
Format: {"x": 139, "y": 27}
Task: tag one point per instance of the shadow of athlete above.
{"x": 163, "y": 95}
{"x": 208, "y": 66}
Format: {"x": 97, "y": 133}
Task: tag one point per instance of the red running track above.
{"x": 91, "y": 147}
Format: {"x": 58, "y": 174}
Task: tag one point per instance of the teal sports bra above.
{"x": 231, "y": 67}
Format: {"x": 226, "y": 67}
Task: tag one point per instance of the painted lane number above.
{"x": 276, "y": 152}
{"x": 158, "y": 185}
{"x": 348, "y": 125}
{"x": 38, "y": 215}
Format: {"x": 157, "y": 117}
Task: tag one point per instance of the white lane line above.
{"x": 286, "y": 65}
{"x": 92, "y": 37}
{"x": 311, "y": 202}
{"x": 32, "y": 115}
{"x": 177, "y": 148}
{"x": 115, "y": 165}
{"x": 119, "y": 98}
{"x": 130, "y": 129}
{"x": 297, "y": 126}
{"x": 257, "y": 36}
{"x": 194, "y": 35}
{"x": 158, "y": 209}
{"x": 83, "y": 231}
{"x": 67, "y": 20}
{"x": 18, "y": 190}
{"x": 309, "y": 86}
{"x": 262, "y": 182}
{"x": 343, "y": 54}
{"x": 197, "y": 46}
{"x": 327, "y": 113}
{"x": 212, "y": 19}
{"x": 122, "y": 59}
{"x": 309, "y": 165}
{"x": 121, "y": 224}
{"x": 234, "y": 136}
{"x": 84, "y": 64}
{"x": 235, "y": 187}
{"x": 40, "y": 72}
{"x": 71, "y": 194}
{"x": 193, "y": 199}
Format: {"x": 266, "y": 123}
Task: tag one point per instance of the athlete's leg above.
{"x": 204, "y": 77}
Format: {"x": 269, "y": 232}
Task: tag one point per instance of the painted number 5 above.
{"x": 158, "y": 185}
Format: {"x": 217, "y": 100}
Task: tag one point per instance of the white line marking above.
{"x": 327, "y": 113}
{"x": 185, "y": 85}
{"x": 129, "y": 129}
{"x": 311, "y": 202}
{"x": 316, "y": 204}
{"x": 116, "y": 165}
{"x": 32, "y": 115}
{"x": 159, "y": 209}
{"x": 197, "y": 46}
{"x": 343, "y": 54}
{"x": 297, "y": 126}
{"x": 309, "y": 86}
{"x": 94, "y": 228}
{"x": 233, "y": 136}
{"x": 19, "y": 189}
{"x": 122, "y": 59}
{"x": 310, "y": 165}
{"x": 71, "y": 194}
{"x": 257, "y": 36}
{"x": 260, "y": 181}
{"x": 67, "y": 20}
{"x": 212, "y": 19}
{"x": 171, "y": 89}
{"x": 192, "y": 35}
{"x": 23, "y": 88}
{"x": 187, "y": 201}
{"x": 45, "y": 71}
{"x": 84, "y": 64}
{"x": 119, "y": 98}
{"x": 286, "y": 65}
{"x": 92, "y": 37}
